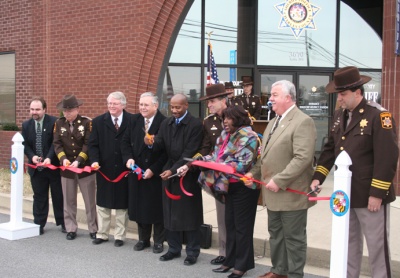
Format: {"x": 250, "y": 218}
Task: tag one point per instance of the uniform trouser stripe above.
{"x": 386, "y": 240}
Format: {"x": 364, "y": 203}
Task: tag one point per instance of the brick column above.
{"x": 391, "y": 70}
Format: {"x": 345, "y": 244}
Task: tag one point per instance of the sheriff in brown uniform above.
{"x": 232, "y": 100}
{"x": 71, "y": 135}
{"x": 367, "y": 133}
{"x": 250, "y": 102}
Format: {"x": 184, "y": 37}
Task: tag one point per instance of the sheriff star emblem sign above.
{"x": 297, "y": 15}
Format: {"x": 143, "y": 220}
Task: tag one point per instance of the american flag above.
{"x": 212, "y": 75}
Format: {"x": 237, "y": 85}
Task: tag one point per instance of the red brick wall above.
{"x": 89, "y": 48}
{"x": 391, "y": 69}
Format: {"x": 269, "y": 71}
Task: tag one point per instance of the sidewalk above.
{"x": 319, "y": 231}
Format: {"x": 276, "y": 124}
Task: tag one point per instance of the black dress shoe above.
{"x": 190, "y": 260}
{"x": 222, "y": 269}
{"x": 92, "y": 235}
{"x": 41, "y": 230}
{"x": 169, "y": 256}
{"x": 141, "y": 244}
{"x": 158, "y": 248}
{"x": 118, "y": 243}
{"x": 71, "y": 235}
{"x": 235, "y": 275}
{"x": 99, "y": 241}
{"x": 63, "y": 230}
{"x": 218, "y": 260}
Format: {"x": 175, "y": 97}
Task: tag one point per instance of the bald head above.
{"x": 179, "y": 105}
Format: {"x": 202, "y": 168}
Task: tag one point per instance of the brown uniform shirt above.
{"x": 371, "y": 142}
{"x": 212, "y": 128}
{"x": 252, "y": 104}
{"x": 73, "y": 145}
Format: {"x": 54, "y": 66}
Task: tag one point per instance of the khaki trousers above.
{"x": 87, "y": 185}
{"x": 104, "y": 220}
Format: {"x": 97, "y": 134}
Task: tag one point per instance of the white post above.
{"x": 16, "y": 228}
{"x": 340, "y": 207}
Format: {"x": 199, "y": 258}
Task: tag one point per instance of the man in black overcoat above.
{"x": 180, "y": 136}
{"x": 43, "y": 179}
{"x": 104, "y": 151}
{"x": 145, "y": 194}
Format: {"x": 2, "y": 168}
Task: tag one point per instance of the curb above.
{"x": 316, "y": 257}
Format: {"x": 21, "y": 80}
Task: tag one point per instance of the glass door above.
{"x": 311, "y": 99}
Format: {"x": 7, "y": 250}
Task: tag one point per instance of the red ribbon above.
{"x": 86, "y": 169}
{"x": 230, "y": 170}
{"x": 170, "y": 195}
{"x": 183, "y": 189}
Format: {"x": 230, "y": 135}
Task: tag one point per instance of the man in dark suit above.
{"x": 145, "y": 194}
{"x": 40, "y": 127}
{"x": 104, "y": 151}
{"x": 180, "y": 136}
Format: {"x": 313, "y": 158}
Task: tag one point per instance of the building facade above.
{"x": 51, "y": 48}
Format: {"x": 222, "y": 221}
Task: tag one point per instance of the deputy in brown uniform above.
{"x": 71, "y": 136}
{"x": 250, "y": 102}
{"x": 366, "y": 131}
{"x": 232, "y": 100}
{"x": 216, "y": 98}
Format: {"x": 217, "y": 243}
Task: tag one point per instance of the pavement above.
{"x": 56, "y": 254}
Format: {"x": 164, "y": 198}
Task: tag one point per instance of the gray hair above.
{"x": 287, "y": 87}
{"x": 150, "y": 94}
{"x": 118, "y": 95}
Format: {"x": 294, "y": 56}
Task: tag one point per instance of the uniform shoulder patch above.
{"x": 386, "y": 120}
{"x": 376, "y": 105}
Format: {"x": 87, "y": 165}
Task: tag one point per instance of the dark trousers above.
{"x": 174, "y": 239}
{"x": 288, "y": 241}
{"x": 240, "y": 215}
{"x": 41, "y": 182}
{"x": 145, "y": 232}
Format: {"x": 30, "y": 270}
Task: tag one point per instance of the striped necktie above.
{"x": 39, "y": 149}
{"x": 276, "y": 124}
{"x": 116, "y": 123}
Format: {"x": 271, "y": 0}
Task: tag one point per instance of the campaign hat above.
{"x": 214, "y": 91}
{"x": 229, "y": 85}
{"x": 346, "y": 78}
{"x": 247, "y": 80}
{"x": 68, "y": 102}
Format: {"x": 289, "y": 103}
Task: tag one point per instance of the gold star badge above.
{"x": 363, "y": 123}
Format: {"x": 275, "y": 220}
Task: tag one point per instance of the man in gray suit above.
{"x": 286, "y": 162}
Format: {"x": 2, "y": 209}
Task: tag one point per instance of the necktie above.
{"x": 177, "y": 121}
{"x": 116, "y": 123}
{"x": 276, "y": 124}
{"x": 71, "y": 127}
{"x": 350, "y": 114}
{"x": 39, "y": 151}
{"x": 146, "y": 125}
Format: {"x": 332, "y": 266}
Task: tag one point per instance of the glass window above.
{"x": 187, "y": 48}
{"x": 314, "y": 46}
{"x": 372, "y": 90}
{"x": 221, "y": 20}
{"x": 7, "y": 88}
{"x": 359, "y": 45}
{"x": 185, "y": 80}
